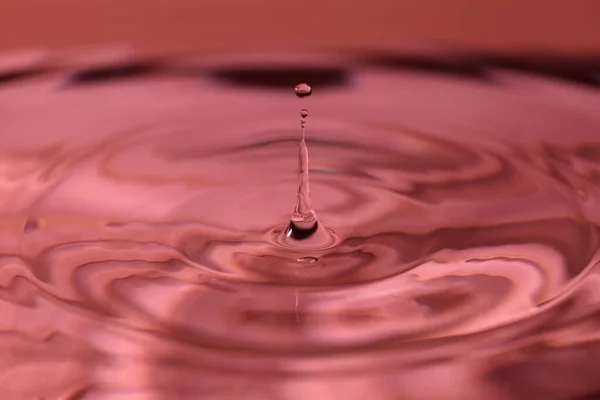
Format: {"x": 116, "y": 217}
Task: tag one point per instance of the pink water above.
{"x": 144, "y": 255}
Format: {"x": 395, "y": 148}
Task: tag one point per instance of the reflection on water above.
{"x": 142, "y": 217}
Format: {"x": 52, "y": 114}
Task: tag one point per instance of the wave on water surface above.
{"x": 144, "y": 205}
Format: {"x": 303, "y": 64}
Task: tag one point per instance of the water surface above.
{"x": 142, "y": 205}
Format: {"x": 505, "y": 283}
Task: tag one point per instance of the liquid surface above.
{"x": 142, "y": 216}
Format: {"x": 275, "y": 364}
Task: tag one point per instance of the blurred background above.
{"x": 553, "y": 25}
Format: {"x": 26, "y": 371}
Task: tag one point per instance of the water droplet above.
{"x": 304, "y": 113}
{"x": 303, "y": 90}
{"x": 307, "y": 260}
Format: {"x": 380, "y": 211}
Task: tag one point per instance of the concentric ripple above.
{"x": 143, "y": 253}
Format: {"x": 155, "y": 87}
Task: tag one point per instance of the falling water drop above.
{"x": 303, "y": 90}
{"x": 304, "y": 113}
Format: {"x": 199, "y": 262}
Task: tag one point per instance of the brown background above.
{"x": 302, "y": 24}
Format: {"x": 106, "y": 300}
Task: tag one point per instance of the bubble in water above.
{"x": 304, "y": 113}
{"x": 303, "y": 90}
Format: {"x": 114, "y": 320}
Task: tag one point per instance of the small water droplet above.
{"x": 307, "y": 260}
{"x": 304, "y": 113}
{"x": 303, "y": 90}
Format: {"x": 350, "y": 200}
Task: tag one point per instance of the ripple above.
{"x": 155, "y": 244}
